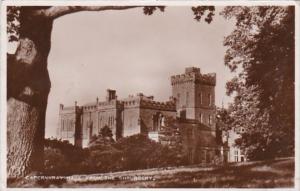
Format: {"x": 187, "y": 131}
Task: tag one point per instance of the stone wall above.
{"x": 148, "y": 117}
{"x": 66, "y": 127}
{"x": 205, "y": 105}
{"x": 199, "y": 143}
{"x": 195, "y": 96}
{"x": 131, "y": 121}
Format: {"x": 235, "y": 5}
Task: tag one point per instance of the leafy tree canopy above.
{"x": 14, "y": 12}
{"x": 261, "y": 50}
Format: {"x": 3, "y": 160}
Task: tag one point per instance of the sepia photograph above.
{"x": 149, "y": 95}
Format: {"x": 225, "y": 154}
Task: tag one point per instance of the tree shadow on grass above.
{"x": 266, "y": 174}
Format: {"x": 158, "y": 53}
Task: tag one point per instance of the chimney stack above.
{"x": 110, "y": 95}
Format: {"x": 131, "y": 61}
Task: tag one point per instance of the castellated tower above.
{"x": 195, "y": 96}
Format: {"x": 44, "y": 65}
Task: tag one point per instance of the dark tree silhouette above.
{"x": 28, "y": 82}
{"x": 262, "y": 46}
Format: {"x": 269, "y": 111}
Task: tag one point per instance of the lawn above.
{"x": 270, "y": 174}
{"x": 262, "y": 174}
{"x": 277, "y": 173}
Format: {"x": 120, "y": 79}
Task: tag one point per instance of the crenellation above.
{"x": 158, "y": 105}
{"x": 194, "y": 94}
{"x": 194, "y": 77}
{"x": 139, "y": 113}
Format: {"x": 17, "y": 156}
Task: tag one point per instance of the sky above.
{"x": 131, "y": 53}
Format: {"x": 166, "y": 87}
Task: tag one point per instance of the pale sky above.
{"x": 131, "y": 52}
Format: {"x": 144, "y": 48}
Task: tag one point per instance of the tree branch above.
{"x": 58, "y": 11}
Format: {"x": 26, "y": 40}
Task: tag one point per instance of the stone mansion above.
{"x": 192, "y": 99}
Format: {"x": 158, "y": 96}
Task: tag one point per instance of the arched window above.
{"x": 156, "y": 120}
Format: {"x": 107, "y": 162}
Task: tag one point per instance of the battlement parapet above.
{"x": 70, "y": 110}
{"x": 169, "y": 105}
{"x": 89, "y": 107}
{"x": 209, "y": 78}
{"x": 108, "y": 103}
{"x": 113, "y": 104}
{"x": 192, "y": 70}
{"x": 194, "y": 77}
{"x": 131, "y": 102}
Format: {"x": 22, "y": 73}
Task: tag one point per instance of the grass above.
{"x": 261, "y": 174}
{"x": 269, "y": 174}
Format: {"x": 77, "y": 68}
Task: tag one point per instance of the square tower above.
{"x": 195, "y": 96}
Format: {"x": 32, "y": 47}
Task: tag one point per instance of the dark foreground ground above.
{"x": 262, "y": 174}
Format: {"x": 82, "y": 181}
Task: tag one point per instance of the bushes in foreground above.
{"x": 106, "y": 155}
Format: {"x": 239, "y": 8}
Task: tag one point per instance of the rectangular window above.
{"x": 201, "y": 98}
{"x": 201, "y": 118}
{"x": 210, "y": 100}
{"x": 72, "y": 125}
{"x": 178, "y": 99}
{"x": 68, "y": 126}
{"x": 187, "y": 99}
{"x": 209, "y": 120}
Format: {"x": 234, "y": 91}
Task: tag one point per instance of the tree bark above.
{"x": 28, "y": 86}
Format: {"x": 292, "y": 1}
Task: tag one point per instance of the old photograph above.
{"x": 159, "y": 95}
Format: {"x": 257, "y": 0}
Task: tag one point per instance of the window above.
{"x": 62, "y": 125}
{"x": 236, "y": 155}
{"x": 178, "y": 99}
{"x": 68, "y": 125}
{"x": 73, "y": 125}
{"x": 201, "y": 118}
{"x": 187, "y": 99}
{"x": 201, "y": 98}
{"x": 209, "y": 120}
{"x": 210, "y": 100}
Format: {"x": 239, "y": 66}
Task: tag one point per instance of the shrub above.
{"x": 105, "y": 155}
{"x": 62, "y": 158}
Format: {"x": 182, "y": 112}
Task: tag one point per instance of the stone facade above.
{"x": 195, "y": 96}
{"x": 125, "y": 117}
{"x": 192, "y": 103}
{"x": 194, "y": 93}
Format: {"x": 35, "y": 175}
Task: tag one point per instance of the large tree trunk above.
{"x": 29, "y": 85}
{"x": 27, "y": 93}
